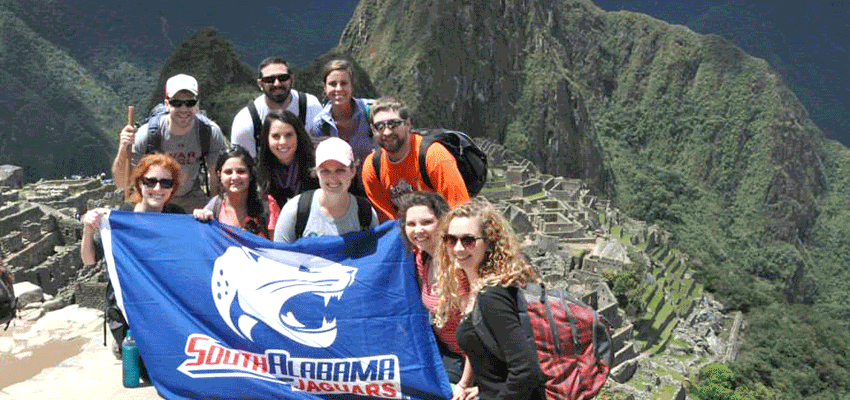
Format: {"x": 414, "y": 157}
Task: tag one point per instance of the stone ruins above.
{"x": 571, "y": 236}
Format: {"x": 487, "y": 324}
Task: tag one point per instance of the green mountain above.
{"x": 685, "y": 130}
{"x": 51, "y": 102}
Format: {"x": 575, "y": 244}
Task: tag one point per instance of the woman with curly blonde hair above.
{"x": 480, "y": 244}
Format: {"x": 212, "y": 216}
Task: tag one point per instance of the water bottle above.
{"x": 131, "y": 361}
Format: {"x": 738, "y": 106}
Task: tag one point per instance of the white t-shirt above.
{"x": 242, "y": 130}
{"x": 318, "y": 224}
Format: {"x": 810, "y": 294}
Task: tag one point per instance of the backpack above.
{"x": 364, "y": 212}
{"x": 573, "y": 342}
{"x": 258, "y": 124}
{"x": 8, "y": 301}
{"x": 204, "y": 132}
{"x": 471, "y": 160}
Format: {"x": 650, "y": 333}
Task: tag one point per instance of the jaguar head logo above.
{"x": 287, "y": 291}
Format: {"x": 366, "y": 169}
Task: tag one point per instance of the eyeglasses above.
{"x": 466, "y": 241}
{"x": 392, "y": 124}
{"x": 271, "y": 78}
{"x": 178, "y": 103}
{"x": 150, "y": 183}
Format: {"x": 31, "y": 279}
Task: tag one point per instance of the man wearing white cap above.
{"x": 331, "y": 209}
{"x": 179, "y": 131}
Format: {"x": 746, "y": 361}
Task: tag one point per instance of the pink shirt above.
{"x": 430, "y": 298}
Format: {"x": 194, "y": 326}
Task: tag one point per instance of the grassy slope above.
{"x": 56, "y": 110}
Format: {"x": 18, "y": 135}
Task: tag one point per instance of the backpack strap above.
{"x": 154, "y": 135}
{"x": 302, "y": 108}
{"x": 258, "y": 125}
{"x": 376, "y": 162}
{"x": 216, "y": 208}
{"x": 423, "y": 151}
{"x": 304, "y": 202}
{"x": 326, "y": 128}
{"x": 204, "y": 134}
{"x": 364, "y": 212}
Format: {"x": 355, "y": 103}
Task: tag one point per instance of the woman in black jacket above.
{"x": 480, "y": 243}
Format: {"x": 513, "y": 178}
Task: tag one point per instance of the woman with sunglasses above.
{"x": 332, "y": 209}
{"x": 344, "y": 116}
{"x": 239, "y": 203}
{"x": 419, "y": 216}
{"x": 479, "y": 242}
{"x": 285, "y": 161}
{"x": 153, "y": 183}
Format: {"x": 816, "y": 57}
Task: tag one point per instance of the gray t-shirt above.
{"x": 318, "y": 224}
{"x": 186, "y": 149}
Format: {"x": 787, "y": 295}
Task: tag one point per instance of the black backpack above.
{"x": 258, "y": 124}
{"x": 364, "y": 212}
{"x": 8, "y": 301}
{"x": 204, "y": 132}
{"x": 471, "y": 160}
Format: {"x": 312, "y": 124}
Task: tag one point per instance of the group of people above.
{"x": 293, "y": 169}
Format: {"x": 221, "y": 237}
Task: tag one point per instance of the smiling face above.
{"x": 235, "y": 175}
{"x": 338, "y": 87}
{"x": 182, "y": 117}
{"x": 421, "y": 228}
{"x": 470, "y": 256}
{"x": 394, "y": 133}
{"x": 154, "y": 198}
{"x": 334, "y": 177}
{"x": 277, "y": 91}
{"x": 283, "y": 141}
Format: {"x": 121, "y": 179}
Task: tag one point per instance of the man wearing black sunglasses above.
{"x": 275, "y": 81}
{"x": 179, "y": 131}
{"x": 396, "y": 170}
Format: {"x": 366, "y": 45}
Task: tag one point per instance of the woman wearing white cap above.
{"x": 331, "y": 209}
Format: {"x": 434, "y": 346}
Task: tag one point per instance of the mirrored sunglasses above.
{"x": 392, "y": 124}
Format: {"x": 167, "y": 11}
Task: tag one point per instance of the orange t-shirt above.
{"x": 404, "y": 177}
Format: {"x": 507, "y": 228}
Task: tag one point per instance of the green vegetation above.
{"x": 719, "y": 382}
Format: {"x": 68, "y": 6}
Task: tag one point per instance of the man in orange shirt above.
{"x": 399, "y": 163}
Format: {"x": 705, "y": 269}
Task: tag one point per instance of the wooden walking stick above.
{"x": 131, "y": 120}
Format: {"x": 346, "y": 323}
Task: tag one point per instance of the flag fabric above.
{"x": 220, "y": 313}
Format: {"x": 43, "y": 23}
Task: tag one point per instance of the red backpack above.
{"x": 573, "y": 342}
{"x": 8, "y": 301}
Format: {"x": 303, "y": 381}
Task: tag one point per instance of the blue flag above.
{"x": 221, "y": 313}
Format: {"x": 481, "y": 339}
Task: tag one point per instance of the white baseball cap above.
{"x": 336, "y": 149}
{"x": 180, "y": 82}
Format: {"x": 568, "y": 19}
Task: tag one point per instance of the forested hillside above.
{"x": 696, "y": 136}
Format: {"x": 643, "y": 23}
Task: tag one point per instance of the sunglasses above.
{"x": 466, "y": 241}
{"x": 150, "y": 183}
{"x": 271, "y": 78}
{"x": 178, "y": 103}
{"x": 392, "y": 124}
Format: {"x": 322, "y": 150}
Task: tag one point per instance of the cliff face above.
{"x": 490, "y": 68}
{"x": 559, "y": 80}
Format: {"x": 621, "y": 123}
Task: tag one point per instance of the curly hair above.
{"x": 503, "y": 263}
{"x": 387, "y": 103}
{"x": 434, "y": 201}
{"x": 162, "y": 160}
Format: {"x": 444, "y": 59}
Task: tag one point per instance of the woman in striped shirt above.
{"x": 419, "y": 216}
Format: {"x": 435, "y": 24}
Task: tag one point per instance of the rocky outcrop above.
{"x": 485, "y": 67}
{"x": 551, "y": 78}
